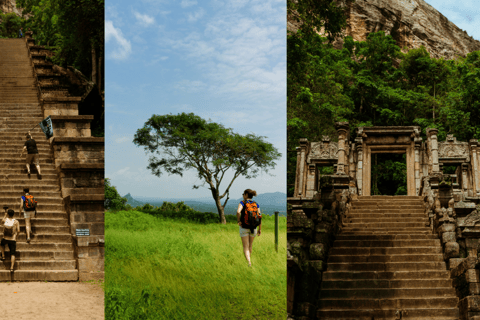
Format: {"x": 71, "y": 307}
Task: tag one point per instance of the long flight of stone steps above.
{"x": 50, "y": 254}
{"x": 386, "y": 264}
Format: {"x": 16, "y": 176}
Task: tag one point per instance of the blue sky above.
{"x": 222, "y": 60}
{"x": 464, "y": 14}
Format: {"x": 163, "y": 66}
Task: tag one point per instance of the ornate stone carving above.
{"x": 323, "y": 150}
{"x": 453, "y": 149}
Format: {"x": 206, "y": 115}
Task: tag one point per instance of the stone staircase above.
{"x": 386, "y": 264}
{"x": 50, "y": 254}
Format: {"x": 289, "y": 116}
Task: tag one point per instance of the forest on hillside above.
{"x": 74, "y": 31}
{"x": 373, "y": 83}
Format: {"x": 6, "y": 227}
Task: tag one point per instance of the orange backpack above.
{"x": 30, "y": 203}
{"x": 250, "y": 217}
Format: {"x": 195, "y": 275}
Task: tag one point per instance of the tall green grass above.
{"x": 159, "y": 268}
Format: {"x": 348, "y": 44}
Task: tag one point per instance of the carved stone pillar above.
{"x": 359, "y": 145}
{"x": 300, "y": 174}
{"x": 417, "y": 146}
{"x": 475, "y": 166}
{"x": 351, "y": 160}
{"x": 342, "y": 130}
{"x": 432, "y": 134}
{"x": 464, "y": 177}
{"x": 311, "y": 181}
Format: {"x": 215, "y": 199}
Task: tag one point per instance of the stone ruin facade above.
{"x": 321, "y": 202}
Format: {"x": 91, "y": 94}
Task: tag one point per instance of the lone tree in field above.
{"x": 186, "y": 141}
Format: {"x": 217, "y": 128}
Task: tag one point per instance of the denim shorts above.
{"x": 246, "y": 232}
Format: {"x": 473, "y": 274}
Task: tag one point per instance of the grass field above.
{"x": 164, "y": 269}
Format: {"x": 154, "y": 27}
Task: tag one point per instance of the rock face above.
{"x": 412, "y": 23}
{"x": 7, "y": 6}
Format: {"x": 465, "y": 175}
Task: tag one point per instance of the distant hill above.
{"x": 132, "y": 201}
{"x": 269, "y": 203}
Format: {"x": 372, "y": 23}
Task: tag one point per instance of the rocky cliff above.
{"x": 7, "y": 6}
{"x": 412, "y": 23}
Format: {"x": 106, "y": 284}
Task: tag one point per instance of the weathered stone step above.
{"x": 39, "y": 265}
{"x": 397, "y": 211}
{"x": 387, "y": 243}
{"x": 39, "y": 275}
{"x": 42, "y": 229}
{"x": 355, "y": 215}
{"x": 385, "y": 220}
{"x": 403, "y": 231}
{"x": 42, "y": 222}
{"x": 429, "y": 313}
{"x": 386, "y": 284}
{"x": 387, "y": 275}
{"x": 386, "y": 266}
{"x": 41, "y": 255}
{"x": 383, "y": 237}
{"x": 33, "y": 185}
{"x": 385, "y": 293}
{"x": 385, "y": 258}
{"x": 38, "y": 194}
{"x": 385, "y": 224}
{"x": 42, "y": 214}
{"x": 386, "y": 206}
{"x": 391, "y": 230}
{"x": 385, "y": 251}
{"x": 389, "y": 198}
{"x": 22, "y": 237}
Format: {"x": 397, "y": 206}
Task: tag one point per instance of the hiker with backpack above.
{"x": 11, "y": 228}
{"x": 32, "y": 154}
{"x": 248, "y": 219}
{"x": 28, "y": 205}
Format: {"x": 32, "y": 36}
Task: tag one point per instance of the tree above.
{"x": 113, "y": 200}
{"x": 182, "y": 142}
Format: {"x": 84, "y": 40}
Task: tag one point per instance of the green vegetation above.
{"x": 113, "y": 200}
{"x": 74, "y": 29}
{"x": 159, "y": 268}
{"x": 10, "y": 24}
{"x": 182, "y": 142}
{"x": 372, "y": 83}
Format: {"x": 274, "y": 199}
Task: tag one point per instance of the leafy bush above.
{"x": 113, "y": 200}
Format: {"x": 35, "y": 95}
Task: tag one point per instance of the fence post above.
{"x": 276, "y": 231}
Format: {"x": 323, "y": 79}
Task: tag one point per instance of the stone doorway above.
{"x": 387, "y": 140}
{"x": 389, "y": 172}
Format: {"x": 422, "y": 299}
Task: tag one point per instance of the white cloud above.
{"x": 122, "y": 140}
{"x": 144, "y": 19}
{"x": 124, "y": 47}
{"x": 188, "y": 3}
{"x": 192, "y": 17}
{"x": 190, "y": 86}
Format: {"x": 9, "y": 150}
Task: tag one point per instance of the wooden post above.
{"x": 276, "y": 231}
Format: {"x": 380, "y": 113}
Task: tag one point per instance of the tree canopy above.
{"x": 74, "y": 29}
{"x": 113, "y": 200}
{"x": 177, "y": 143}
{"x": 373, "y": 82}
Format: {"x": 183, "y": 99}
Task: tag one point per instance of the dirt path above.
{"x": 52, "y": 301}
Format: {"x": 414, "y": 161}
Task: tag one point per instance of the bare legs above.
{"x": 28, "y": 228}
{"x": 247, "y": 242}
{"x": 12, "y": 258}
{"x": 37, "y": 166}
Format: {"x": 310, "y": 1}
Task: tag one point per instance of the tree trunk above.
{"x": 100, "y": 73}
{"x": 220, "y": 208}
{"x": 94, "y": 66}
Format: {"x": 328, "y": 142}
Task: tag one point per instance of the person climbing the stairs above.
{"x": 10, "y": 230}
{"x": 32, "y": 154}
{"x": 28, "y": 205}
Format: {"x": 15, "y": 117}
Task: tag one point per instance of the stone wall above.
{"x": 79, "y": 160}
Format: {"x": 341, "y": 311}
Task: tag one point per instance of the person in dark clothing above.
{"x": 32, "y": 154}
{"x": 20, "y": 33}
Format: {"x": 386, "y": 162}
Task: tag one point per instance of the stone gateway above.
{"x": 352, "y": 255}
